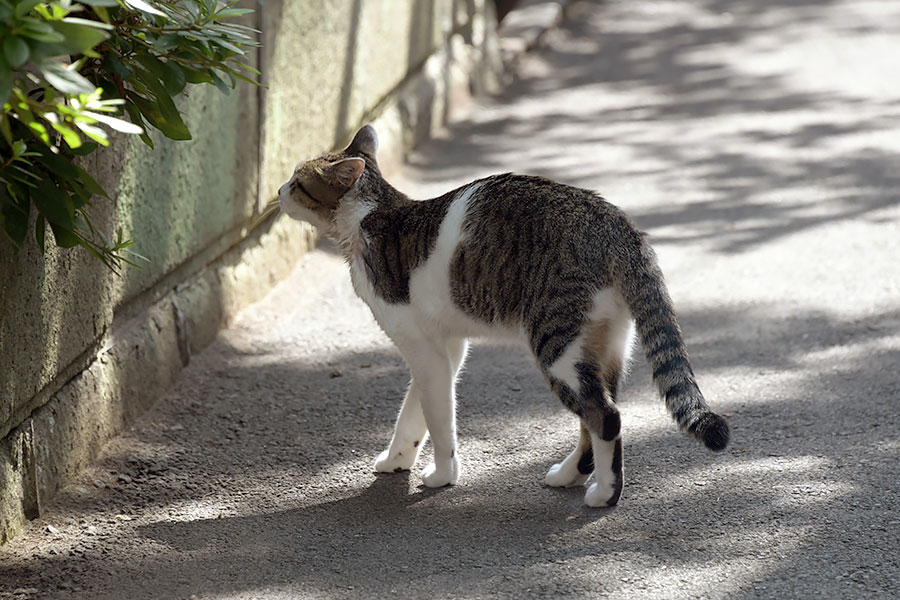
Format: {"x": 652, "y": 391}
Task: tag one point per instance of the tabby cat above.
{"x": 507, "y": 256}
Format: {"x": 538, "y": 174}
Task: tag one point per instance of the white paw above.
{"x": 400, "y": 461}
{"x": 447, "y": 474}
{"x": 564, "y": 474}
{"x": 600, "y": 494}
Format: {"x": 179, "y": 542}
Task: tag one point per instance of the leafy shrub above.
{"x": 72, "y": 70}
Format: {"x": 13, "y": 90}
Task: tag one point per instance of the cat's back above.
{"x": 521, "y": 220}
{"x": 513, "y": 200}
{"x": 508, "y": 243}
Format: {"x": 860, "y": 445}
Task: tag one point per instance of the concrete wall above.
{"x": 82, "y": 351}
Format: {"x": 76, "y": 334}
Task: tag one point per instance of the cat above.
{"x": 509, "y": 256}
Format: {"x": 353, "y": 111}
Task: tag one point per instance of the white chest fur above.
{"x": 346, "y": 230}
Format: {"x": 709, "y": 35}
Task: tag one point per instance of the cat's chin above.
{"x": 301, "y": 213}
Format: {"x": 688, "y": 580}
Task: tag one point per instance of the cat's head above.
{"x": 317, "y": 186}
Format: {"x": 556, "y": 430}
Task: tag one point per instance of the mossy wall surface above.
{"x": 328, "y": 67}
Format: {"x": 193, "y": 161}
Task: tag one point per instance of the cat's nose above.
{"x": 283, "y": 189}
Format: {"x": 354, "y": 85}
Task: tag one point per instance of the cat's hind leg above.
{"x": 607, "y": 344}
{"x": 579, "y": 378}
{"x": 576, "y": 467}
{"x": 586, "y": 397}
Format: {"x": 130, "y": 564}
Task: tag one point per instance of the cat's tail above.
{"x": 644, "y": 289}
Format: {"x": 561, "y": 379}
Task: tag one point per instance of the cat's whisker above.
{"x": 271, "y": 207}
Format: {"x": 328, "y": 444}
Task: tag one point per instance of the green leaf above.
{"x": 143, "y": 6}
{"x": 27, "y": 119}
{"x": 89, "y": 23}
{"x": 43, "y": 12}
{"x": 4, "y": 128}
{"x": 29, "y": 174}
{"x": 103, "y": 14}
{"x": 56, "y": 164}
{"x": 223, "y": 87}
{"x": 196, "y": 76}
{"x": 232, "y": 33}
{"x": 71, "y": 137}
{"x": 41, "y": 32}
{"x": 40, "y": 229}
{"x": 112, "y": 64}
{"x": 117, "y": 124}
{"x": 85, "y": 148}
{"x": 65, "y": 237}
{"x": 242, "y": 77}
{"x": 228, "y": 46}
{"x": 51, "y": 202}
{"x": 135, "y": 116}
{"x": 16, "y": 51}
{"x": 248, "y": 67}
{"x": 91, "y": 185}
{"x": 65, "y": 80}
{"x": 151, "y": 63}
{"x": 174, "y": 78}
{"x": 192, "y": 8}
{"x": 151, "y": 111}
{"x": 164, "y": 112}
{"x": 101, "y": 3}
{"x": 79, "y": 197}
{"x": 166, "y": 42}
{"x": 79, "y": 38}
{"x": 15, "y": 216}
{"x": 6, "y": 79}
{"x": 23, "y": 7}
{"x": 233, "y": 12}
{"x": 95, "y": 133}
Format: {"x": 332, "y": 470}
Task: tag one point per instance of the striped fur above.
{"x": 506, "y": 256}
{"x": 641, "y": 284}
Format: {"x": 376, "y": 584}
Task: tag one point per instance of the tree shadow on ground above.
{"x": 264, "y": 480}
{"x": 753, "y": 154}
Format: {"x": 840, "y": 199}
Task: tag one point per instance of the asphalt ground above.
{"x": 758, "y": 142}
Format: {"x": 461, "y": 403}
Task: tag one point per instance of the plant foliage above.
{"x": 71, "y": 71}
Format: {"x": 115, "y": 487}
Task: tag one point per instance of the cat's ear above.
{"x": 365, "y": 142}
{"x": 347, "y": 171}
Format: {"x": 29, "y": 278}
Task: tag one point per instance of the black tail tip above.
{"x": 712, "y": 430}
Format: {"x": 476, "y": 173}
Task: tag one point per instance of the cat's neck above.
{"x": 371, "y": 193}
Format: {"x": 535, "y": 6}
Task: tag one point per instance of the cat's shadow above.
{"x": 398, "y": 502}
{"x": 401, "y": 487}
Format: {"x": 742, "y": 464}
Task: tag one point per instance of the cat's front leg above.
{"x": 409, "y": 435}
{"x": 434, "y": 365}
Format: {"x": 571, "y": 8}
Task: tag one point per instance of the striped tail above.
{"x": 642, "y": 285}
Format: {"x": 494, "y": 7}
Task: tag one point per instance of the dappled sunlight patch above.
{"x": 764, "y": 486}
{"x": 640, "y": 562}
{"x": 644, "y": 418}
{"x": 843, "y": 359}
{"x": 718, "y": 574}
{"x": 810, "y": 492}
